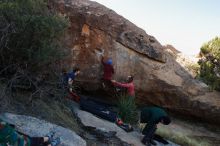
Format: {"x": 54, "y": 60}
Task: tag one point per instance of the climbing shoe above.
{"x": 55, "y": 142}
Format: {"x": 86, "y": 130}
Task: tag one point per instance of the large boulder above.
{"x": 159, "y": 79}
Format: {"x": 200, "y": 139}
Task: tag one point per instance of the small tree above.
{"x": 29, "y": 34}
{"x": 29, "y": 42}
{"x": 127, "y": 109}
{"x": 210, "y": 63}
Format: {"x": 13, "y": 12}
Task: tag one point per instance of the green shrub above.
{"x": 127, "y": 109}
{"x": 30, "y": 48}
{"x": 29, "y": 34}
{"x": 212, "y": 48}
{"x": 210, "y": 64}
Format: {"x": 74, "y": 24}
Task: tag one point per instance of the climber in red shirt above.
{"x": 108, "y": 71}
{"x": 129, "y": 85}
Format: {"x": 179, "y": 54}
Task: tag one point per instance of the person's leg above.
{"x": 113, "y": 91}
{"x": 107, "y": 84}
{"x": 74, "y": 96}
{"x": 37, "y": 141}
{"x": 103, "y": 83}
{"x": 148, "y": 134}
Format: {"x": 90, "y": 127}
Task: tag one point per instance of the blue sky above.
{"x": 185, "y": 24}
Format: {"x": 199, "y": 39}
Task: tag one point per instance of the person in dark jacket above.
{"x": 152, "y": 116}
{"x": 10, "y": 137}
{"x": 67, "y": 81}
{"x": 71, "y": 76}
{"x": 108, "y": 72}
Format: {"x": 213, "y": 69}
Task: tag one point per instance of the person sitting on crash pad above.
{"x": 68, "y": 79}
{"x": 10, "y": 137}
{"x": 152, "y": 116}
{"x": 108, "y": 72}
{"x": 129, "y": 85}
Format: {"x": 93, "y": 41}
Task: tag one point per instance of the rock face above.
{"x": 159, "y": 79}
{"x": 38, "y": 128}
{"x": 190, "y": 63}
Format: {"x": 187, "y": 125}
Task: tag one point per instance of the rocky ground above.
{"x": 88, "y": 119}
{"x": 39, "y": 128}
{"x": 98, "y": 132}
{"x": 94, "y": 131}
{"x": 56, "y": 113}
{"x": 191, "y": 133}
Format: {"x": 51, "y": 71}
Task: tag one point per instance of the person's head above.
{"x": 130, "y": 79}
{"x": 109, "y": 61}
{"x": 165, "y": 120}
{"x": 76, "y": 70}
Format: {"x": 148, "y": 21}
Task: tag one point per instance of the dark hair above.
{"x": 166, "y": 120}
{"x": 76, "y": 69}
{"x": 130, "y": 79}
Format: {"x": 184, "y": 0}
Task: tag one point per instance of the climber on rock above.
{"x": 152, "y": 116}
{"x": 68, "y": 79}
{"x": 10, "y": 137}
{"x": 129, "y": 85}
{"x": 71, "y": 76}
{"x": 108, "y": 72}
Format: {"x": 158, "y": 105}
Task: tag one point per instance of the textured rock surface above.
{"x": 35, "y": 127}
{"x": 90, "y": 120}
{"x": 190, "y": 63}
{"x": 159, "y": 79}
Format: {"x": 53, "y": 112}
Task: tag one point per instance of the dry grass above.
{"x": 58, "y": 113}
{"x": 46, "y": 108}
{"x": 181, "y": 138}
